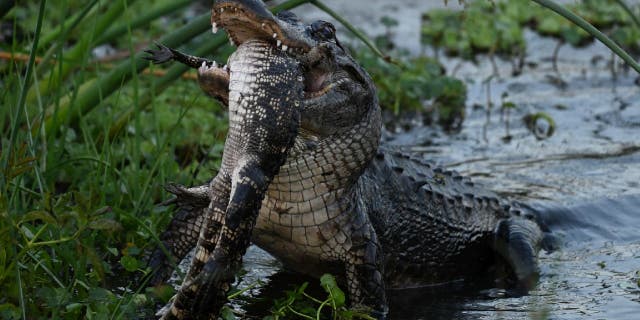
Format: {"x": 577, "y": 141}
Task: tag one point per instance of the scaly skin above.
{"x": 265, "y": 93}
{"x": 341, "y": 203}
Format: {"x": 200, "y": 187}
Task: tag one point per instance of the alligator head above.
{"x": 333, "y": 80}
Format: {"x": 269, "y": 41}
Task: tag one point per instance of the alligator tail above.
{"x": 518, "y": 240}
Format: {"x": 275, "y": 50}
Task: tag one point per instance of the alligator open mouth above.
{"x": 314, "y": 46}
{"x": 244, "y": 20}
{"x": 250, "y": 19}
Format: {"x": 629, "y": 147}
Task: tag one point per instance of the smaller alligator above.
{"x": 265, "y": 93}
{"x": 341, "y": 203}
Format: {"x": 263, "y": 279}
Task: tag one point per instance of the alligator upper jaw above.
{"x": 245, "y": 20}
{"x": 250, "y": 19}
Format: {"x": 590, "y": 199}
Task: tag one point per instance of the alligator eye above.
{"x": 324, "y": 30}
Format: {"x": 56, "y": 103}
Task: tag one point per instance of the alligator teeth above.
{"x": 214, "y": 27}
{"x": 284, "y": 47}
{"x": 275, "y": 35}
{"x": 225, "y": 68}
{"x": 278, "y": 43}
{"x": 221, "y": 10}
{"x": 264, "y": 25}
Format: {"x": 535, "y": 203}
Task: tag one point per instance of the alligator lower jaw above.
{"x": 242, "y": 24}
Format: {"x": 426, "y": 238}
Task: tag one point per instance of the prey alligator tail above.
{"x": 339, "y": 202}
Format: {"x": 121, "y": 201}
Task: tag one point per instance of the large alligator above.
{"x": 341, "y": 203}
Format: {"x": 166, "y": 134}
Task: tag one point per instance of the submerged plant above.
{"x": 299, "y": 304}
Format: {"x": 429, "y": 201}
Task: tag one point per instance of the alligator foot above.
{"x": 164, "y": 54}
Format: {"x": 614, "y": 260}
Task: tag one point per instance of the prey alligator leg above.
{"x": 183, "y": 230}
{"x": 213, "y": 79}
{"x": 164, "y": 54}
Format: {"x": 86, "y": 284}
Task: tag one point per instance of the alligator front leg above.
{"x": 182, "y": 233}
{"x": 212, "y": 78}
{"x": 365, "y": 270}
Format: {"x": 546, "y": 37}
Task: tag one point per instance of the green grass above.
{"x": 466, "y": 33}
{"x": 78, "y": 198}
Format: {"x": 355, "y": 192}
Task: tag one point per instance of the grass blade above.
{"x": 144, "y": 19}
{"x": 23, "y": 93}
{"x": 561, "y": 10}
{"x": 91, "y": 94}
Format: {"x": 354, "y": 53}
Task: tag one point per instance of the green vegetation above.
{"x": 468, "y": 32}
{"x": 77, "y": 197}
{"x": 417, "y": 84}
{"x": 299, "y": 305}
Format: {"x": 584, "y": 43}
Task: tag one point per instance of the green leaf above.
{"x": 509, "y": 105}
{"x": 39, "y": 215}
{"x": 104, "y": 224}
{"x": 328, "y": 283}
{"x": 227, "y": 314}
{"x": 129, "y": 263}
{"x": 73, "y": 307}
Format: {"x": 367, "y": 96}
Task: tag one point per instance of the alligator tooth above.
{"x": 225, "y": 68}
{"x": 231, "y": 42}
{"x": 214, "y": 64}
{"x": 278, "y": 43}
{"x": 275, "y": 35}
{"x": 214, "y": 27}
{"x": 284, "y": 47}
{"x": 221, "y": 10}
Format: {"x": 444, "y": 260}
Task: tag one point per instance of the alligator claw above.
{"x": 162, "y": 55}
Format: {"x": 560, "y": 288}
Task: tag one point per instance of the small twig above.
{"x": 17, "y": 57}
{"x": 554, "y": 59}
{"x": 492, "y": 58}
{"x": 489, "y": 105}
{"x": 158, "y": 73}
